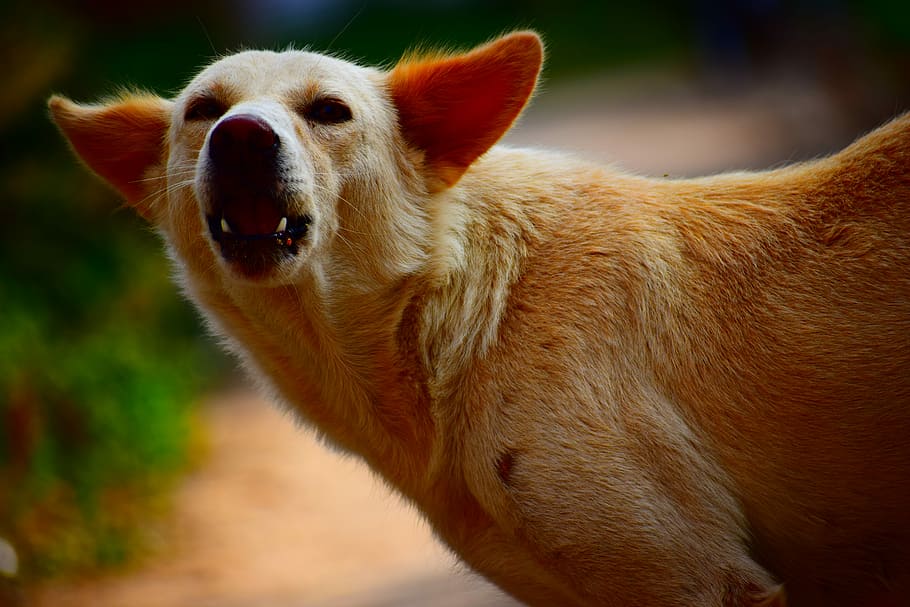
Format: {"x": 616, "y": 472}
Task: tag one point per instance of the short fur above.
{"x": 600, "y": 389}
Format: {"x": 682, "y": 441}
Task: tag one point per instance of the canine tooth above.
{"x": 282, "y": 225}
{"x": 225, "y": 226}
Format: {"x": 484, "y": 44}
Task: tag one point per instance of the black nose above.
{"x": 243, "y": 140}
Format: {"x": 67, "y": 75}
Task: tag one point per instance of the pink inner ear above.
{"x": 455, "y": 108}
{"x": 120, "y": 141}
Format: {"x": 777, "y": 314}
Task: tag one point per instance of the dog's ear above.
{"x": 121, "y": 141}
{"x": 455, "y": 107}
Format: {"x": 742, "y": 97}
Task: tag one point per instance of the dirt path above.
{"x": 275, "y": 519}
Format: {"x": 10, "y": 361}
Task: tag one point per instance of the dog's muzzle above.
{"x": 249, "y": 213}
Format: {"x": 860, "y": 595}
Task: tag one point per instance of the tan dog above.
{"x": 600, "y": 389}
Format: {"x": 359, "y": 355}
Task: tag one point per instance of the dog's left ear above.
{"x": 122, "y": 141}
{"x": 454, "y": 108}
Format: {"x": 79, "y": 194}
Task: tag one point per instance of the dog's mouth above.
{"x": 252, "y": 212}
{"x": 255, "y": 236}
{"x": 287, "y": 232}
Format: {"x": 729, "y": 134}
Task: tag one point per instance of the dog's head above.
{"x": 272, "y": 157}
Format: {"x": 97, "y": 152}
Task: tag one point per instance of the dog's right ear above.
{"x": 455, "y": 107}
{"x": 122, "y": 141}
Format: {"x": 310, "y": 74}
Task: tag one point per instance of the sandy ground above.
{"x": 273, "y": 518}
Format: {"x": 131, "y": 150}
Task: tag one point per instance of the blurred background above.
{"x": 135, "y": 468}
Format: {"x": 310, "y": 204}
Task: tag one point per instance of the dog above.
{"x": 599, "y": 388}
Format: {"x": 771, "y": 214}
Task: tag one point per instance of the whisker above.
{"x": 168, "y": 189}
{"x": 354, "y": 247}
{"x": 323, "y": 188}
{"x": 352, "y": 206}
{"x": 346, "y": 26}
{"x": 167, "y": 176}
{"x": 359, "y": 233}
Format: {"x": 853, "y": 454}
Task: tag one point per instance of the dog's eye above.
{"x": 327, "y": 111}
{"x": 204, "y": 108}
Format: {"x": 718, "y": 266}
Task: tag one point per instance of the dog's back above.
{"x": 816, "y": 427}
{"x": 812, "y": 343}
{"x": 753, "y": 329}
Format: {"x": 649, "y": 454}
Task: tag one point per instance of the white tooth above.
{"x": 225, "y": 226}
{"x": 282, "y": 225}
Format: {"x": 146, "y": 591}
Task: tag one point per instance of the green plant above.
{"x": 100, "y": 363}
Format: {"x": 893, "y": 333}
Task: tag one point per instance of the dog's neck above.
{"x": 341, "y": 343}
{"x": 480, "y": 241}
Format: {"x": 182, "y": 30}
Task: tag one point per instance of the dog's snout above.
{"x": 243, "y": 139}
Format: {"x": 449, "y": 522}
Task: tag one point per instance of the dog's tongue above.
{"x": 252, "y": 216}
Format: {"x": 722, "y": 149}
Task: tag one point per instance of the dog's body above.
{"x": 600, "y": 389}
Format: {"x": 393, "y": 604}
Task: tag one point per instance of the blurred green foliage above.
{"x": 100, "y": 359}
